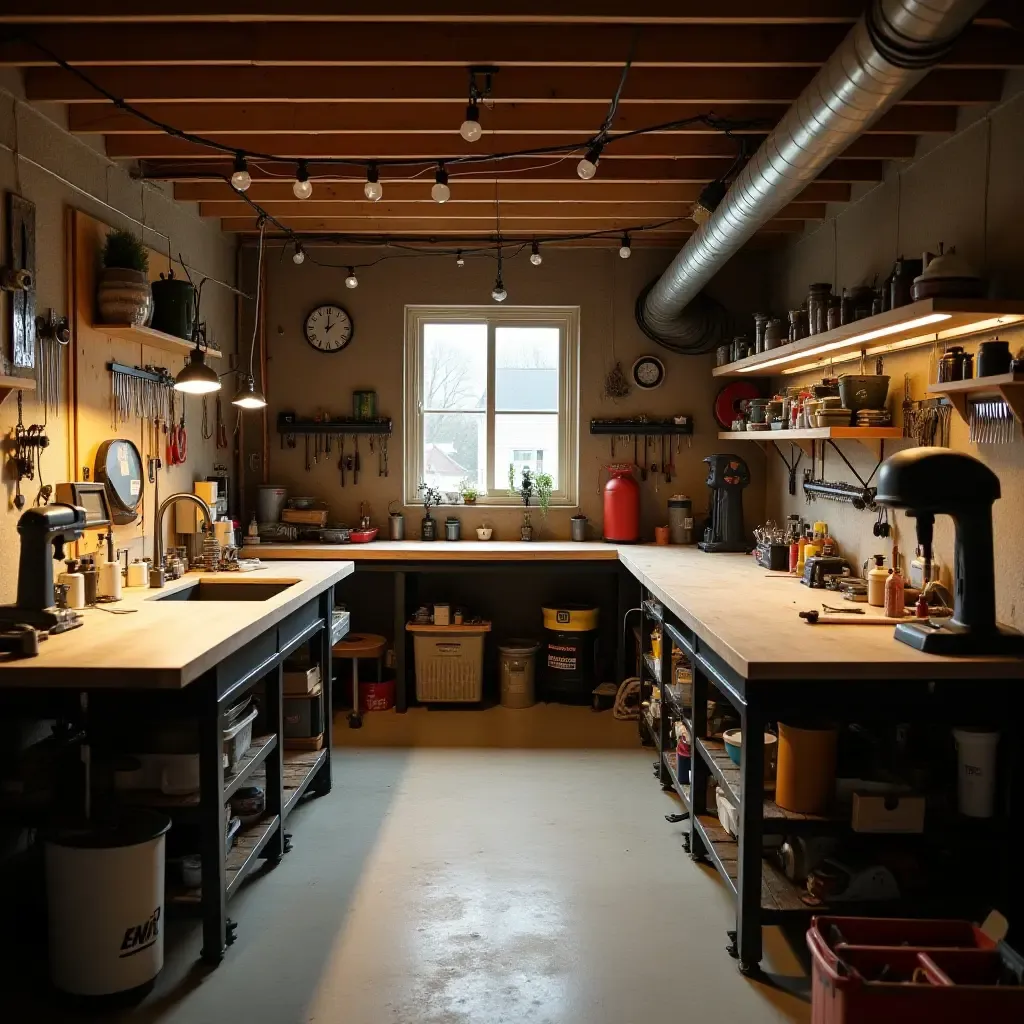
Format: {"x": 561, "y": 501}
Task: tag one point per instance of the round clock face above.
{"x": 648, "y": 372}
{"x": 328, "y": 328}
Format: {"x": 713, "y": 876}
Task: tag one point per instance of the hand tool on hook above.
{"x": 355, "y": 470}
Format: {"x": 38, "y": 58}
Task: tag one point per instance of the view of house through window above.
{"x": 488, "y": 392}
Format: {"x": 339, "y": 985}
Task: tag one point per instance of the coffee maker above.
{"x": 935, "y": 481}
{"x": 727, "y": 476}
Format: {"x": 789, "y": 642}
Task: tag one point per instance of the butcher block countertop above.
{"x": 443, "y": 551}
{"x": 749, "y": 617}
{"x": 168, "y": 644}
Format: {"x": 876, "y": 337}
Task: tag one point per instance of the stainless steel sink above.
{"x": 229, "y": 590}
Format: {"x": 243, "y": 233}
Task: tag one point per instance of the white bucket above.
{"x": 105, "y": 892}
{"x": 517, "y": 669}
{"x": 976, "y": 771}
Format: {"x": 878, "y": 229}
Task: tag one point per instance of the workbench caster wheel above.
{"x": 287, "y": 842}
{"x": 732, "y": 948}
{"x": 686, "y": 841}
{"x": 750, "y": 970}
{"x": 656, "y": 769}
{"x": 230, "y": 927}
{"x": 674, "y": 819}
{"x": 355, "y": 720}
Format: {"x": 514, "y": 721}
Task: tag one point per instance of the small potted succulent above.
{"x": 431, "y": 497}
{"x": 531, "y": 485}
{"x": 123, "y": 292}
{"x": 469, "y": 492}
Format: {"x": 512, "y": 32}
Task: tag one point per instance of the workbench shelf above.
{"x": 814, "y": 434}
{"x": 300, "y": 768}
{"x": 961, "y": 393}
{"x": 249, "y": 762}
{"x": 10, "y": 383}
{"x": 653, "y": 667}
{"x": 682, "y": 790}
{"x": 154, "y": 339}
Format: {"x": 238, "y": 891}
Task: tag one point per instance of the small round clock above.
{"x": 648, "y": 372}
{"x": 328, "y": 328}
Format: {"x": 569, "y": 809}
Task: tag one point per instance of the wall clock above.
{"x": 648, "y": 372}
{"x": 328, "y": 328}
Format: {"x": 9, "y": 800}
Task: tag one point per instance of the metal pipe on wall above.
{"x": 889, "y": 49}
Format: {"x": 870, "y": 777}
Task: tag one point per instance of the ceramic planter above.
{"x": 124, "y": 296}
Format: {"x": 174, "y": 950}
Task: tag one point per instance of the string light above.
{"x": 624, "y": 250}
{"x": 459, "y": 261}
{"x": 498, "y": 293}
{"x": 441, "y": 193}
{"x": 351, "y": 281}
{"x": 470, "y": 129}
{"x": 587, "y": 167}
{"x": 299, "y": 256}
{"x": 372, "y": 189}
{"x": 535, "y": 257}
{"x": 301, "y": 187}
{"x": 240, "y": 177}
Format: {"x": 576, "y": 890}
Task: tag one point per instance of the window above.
{"x": 486, "y": 390}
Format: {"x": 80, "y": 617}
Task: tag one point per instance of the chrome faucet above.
{"x": 156, "y": 572}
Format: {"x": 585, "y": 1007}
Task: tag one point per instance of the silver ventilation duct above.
{"x": 889, "y": 50}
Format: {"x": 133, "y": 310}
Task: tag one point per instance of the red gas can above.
{"x": 621, "y": 506}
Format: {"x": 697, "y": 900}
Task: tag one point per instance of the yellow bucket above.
{"x": 570, "y": 618}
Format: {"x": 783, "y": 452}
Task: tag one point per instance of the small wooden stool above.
{"x": 356, "y": 646}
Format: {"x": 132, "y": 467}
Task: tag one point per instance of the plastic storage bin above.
{"x": 882, "y": 970}
{"x": 449, "y": 662}
{"x": 238, "y": 739}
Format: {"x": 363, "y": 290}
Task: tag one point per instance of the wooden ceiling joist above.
{"x": 484, "y": 226}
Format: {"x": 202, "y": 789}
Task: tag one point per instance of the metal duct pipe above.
{"x": 888, "y": 50}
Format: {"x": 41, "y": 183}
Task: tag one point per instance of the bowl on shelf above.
{"x": 868, "y": 391}
{"x": 733, "y": 739}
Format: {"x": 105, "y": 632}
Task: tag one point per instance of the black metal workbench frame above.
{"x": 964, "y": 701}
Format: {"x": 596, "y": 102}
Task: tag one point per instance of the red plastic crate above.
{"x": 882, "y": 970}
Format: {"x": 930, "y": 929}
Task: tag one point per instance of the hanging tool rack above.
{"x": 861, "y": 498}
{"x": 288, "y": 425}
{"x": 643, "y": 428}
{"x": 143, "y": 392}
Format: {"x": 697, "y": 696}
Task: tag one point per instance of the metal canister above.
{"x": 396, "y": 526}
{"x": 452, "y": 529}
{"x": 578, "y": 527}
{"x": 760, "y": 321}
{"x": 680, "y": 519}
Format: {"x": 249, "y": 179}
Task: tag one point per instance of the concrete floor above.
{"x": 476, "y": 867}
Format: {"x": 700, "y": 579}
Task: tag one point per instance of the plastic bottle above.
{"x": 801, "y": 554}
{"x": 75, "y": 583}
{"x": 877, "y": 578}
{"x": 895, "y": 589}
{"x": 813, "y": 546}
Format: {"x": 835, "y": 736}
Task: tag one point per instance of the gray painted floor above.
{"x": 455, "y": 875}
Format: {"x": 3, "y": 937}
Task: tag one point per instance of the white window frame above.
{"x": 566, "y": 319}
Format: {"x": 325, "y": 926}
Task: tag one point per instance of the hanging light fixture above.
{"x": 470, "y": 129}
{"x": 535, "y": 257}
{"x": 625, "y": 251}
{"x": 196, "y": 378}
{"x": 372, "y": 189}
{"x": 498, "y": 292}
{"x": 587, "y": 167}
{"x": 301, "y": 187}
{"x": 240, "y": 177}
{"x": 707, "y": 202}
{"x": 299, "y": 256}
{"x": 459, "y": 261}
{"x": 248, "y": 397}
{"x": 351, "y": 281}
{"x": 440, "y": 192}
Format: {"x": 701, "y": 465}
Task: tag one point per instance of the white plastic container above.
{"x": 976, "y": 771}
{"x": 238, "y": 739}
{"x": 518, "y": 673}
{"x": 450, "y": 664}
{"x": 105, "y": 893}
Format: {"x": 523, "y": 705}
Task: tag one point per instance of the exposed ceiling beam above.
{"x": 486, "y": 226}
{"x": 398, "y": 146}
{"x": 410, "y": 85}
{"x": 427, "y": 209}
{"x": 693, "y": 169}
{"x": 722, "y": 45}
{"x": 444, "y": 118}
{"x": 269, "y": 192}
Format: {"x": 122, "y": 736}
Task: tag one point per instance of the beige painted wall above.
{"x": 39, "y": 160}
{"x": 598, "y": 281}
{"x": 941, "y": 197}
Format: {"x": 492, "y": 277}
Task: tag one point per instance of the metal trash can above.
{"x": 105, "y": 894}
{"x": 518, "y": 673}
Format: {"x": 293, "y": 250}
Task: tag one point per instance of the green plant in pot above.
{"x": 531, "y": 485}
{"x": 469, "y": 492}
{"x": 431, "y": 497}
{"x": 123, "y": 294}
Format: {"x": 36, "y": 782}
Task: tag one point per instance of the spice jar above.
{"x": 723, "y": 355}
{"x": 951, "y": 364}
{"x": 740, "y": 348}
{"x": 968, "y": 369}
{"x": 760, "y": 322}
{"x": 797, "y": 324}
{"x": 818, "y": 296}
{"x": 774, "y": 333}
{"x": 835, "y": 317}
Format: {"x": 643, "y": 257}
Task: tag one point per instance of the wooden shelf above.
{"x": 153, "y": 339}
{"x": 9, "y": 384}
{"x": 898, "y": 328}
{"x": 814, "y": 434}
{"x": 1007, "y": 386}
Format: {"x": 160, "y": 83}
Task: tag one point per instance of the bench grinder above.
{"x": 935, "y": 481}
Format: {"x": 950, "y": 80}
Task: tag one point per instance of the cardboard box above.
{"x": 304, "y": 715}
{"x": 301, "y": 681}
{"x": 887, "y": 812}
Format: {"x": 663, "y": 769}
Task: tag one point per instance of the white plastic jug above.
{"x": 976, "y": 771}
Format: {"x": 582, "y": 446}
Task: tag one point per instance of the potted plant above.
{"x": 431, "y": 496}
{"x": 531, "y": 485}
{"x": 123, "y": 293}
{"x": 469, "y": 492}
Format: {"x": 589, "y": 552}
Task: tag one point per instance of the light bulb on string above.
{"x": 372, "y": 189}
{"x": 587, "y": 167}
{"x": 470, "y": 129}
{"x": 299, "y": 256}
{"x": 625, "y": 251}
{"x": 301, "y": 187}
{"x": 459, "y": 261}
{"x": 498, "y": 293}
{"x": 351, "y": 281}
{"x": 535, "y": 257}
{"x": 440, "y": 192}
{"x": 240, "y": 177}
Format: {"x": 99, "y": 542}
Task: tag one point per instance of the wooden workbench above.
{"x": 442, "y": 551}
